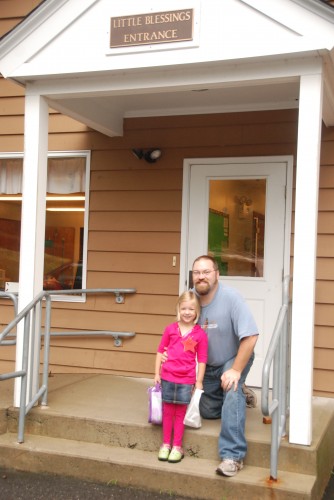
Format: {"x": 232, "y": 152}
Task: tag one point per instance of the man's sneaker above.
{"x": 251, "y": 399}
{"x": 164, "y": 452}
{"x": 229, "y": 467}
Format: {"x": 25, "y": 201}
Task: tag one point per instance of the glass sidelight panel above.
{"x": 237, "y": 225}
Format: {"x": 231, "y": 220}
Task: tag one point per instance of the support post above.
{"x": 32, "y": 224}
{"x": 304, "y": 263}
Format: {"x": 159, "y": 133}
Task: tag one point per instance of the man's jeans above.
{"x": 230, "y": 406}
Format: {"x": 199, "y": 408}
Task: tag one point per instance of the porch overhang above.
{"x": 102, "y": 101}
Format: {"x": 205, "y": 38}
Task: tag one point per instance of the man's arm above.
{"x": 232, "y": 376}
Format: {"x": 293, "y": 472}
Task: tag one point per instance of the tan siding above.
{"x": 326, "y": 199}
{"x": 7, "y": 311}
{"x": 126, "y": 262}
{"x": 323, "y": 382}
{"x": 160, "y": 284}
{"x": 60, "y": 123}
{"x": 325, "y": 245}
{"x": 135, "y": 223}
{"x": 325, "y": 222}
{"x": 324, "y": 291}
{"x": 145, "y": 179}
{"x": 10, "y": 89}
{"x": 325, "y": 269}
{"x": 132, "y": 221}
{"x": 324, "y": 315}
{"x": 12, "y": 106}
{"x": 324, "y": 358}
{"x": 324, "y": 337}
{"x": 102, "y": 360}
{"x": 7, "y": 355}
{"x": 115, "y": 321}
{"x": 139, "y": 242}
{"x": 143, "y": 343}
{"x": 137, "y": 200}
{"x": 7, "y": 366}
{"x": 17, "y": 8}
{"x": 327, "y": 176}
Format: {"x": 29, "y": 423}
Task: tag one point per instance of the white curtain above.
{"x": 11, "y": 176}
{"x": 65, "y": 175}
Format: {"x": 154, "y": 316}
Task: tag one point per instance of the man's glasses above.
{"x": 206, "y": 272}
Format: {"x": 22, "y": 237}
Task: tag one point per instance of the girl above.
{"x": 185, "y": 341}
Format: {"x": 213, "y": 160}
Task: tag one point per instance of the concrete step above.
{"x": 199, "y": 443}
{"x": 110, "y": 413}
{"x": 3, "y": 420}
{"x": 193, "y": 477}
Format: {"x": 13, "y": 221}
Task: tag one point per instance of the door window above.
{"x": 236, "y": 225}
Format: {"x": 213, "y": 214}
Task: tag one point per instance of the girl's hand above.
{"x": 199, "y": 385}
{"x": 157, "y": 379}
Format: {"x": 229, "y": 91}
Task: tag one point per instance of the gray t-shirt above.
{"x": 227, "y": 319}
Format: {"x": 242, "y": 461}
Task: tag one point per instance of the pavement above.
{"x": 26, "y": 486}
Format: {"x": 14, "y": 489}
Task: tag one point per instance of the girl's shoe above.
{"x": 164, "y": 453}
{"x": 176, "y": 455}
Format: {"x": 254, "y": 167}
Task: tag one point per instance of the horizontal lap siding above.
{"x": 12, "y": 11}
{"x": 324, "y": 310}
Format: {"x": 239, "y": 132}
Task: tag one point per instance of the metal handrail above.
{"x": 30, "y": 327}
{"x": 277, "y": 356}
{"x": 14, "y": 298}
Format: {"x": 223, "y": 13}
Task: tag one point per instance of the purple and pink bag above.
{"x": 155, "y": 404}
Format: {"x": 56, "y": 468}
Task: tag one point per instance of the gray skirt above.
{"x": 176, "y": 393}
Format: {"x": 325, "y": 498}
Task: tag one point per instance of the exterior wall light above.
{"x": 151, "y": 155}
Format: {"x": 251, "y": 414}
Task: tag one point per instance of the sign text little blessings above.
{"x": 143, "y": 29}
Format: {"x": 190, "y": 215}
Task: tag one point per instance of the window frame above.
{"x": 69, "y": 154}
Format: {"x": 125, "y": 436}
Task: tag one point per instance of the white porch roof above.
{"x": 245, "y": 55}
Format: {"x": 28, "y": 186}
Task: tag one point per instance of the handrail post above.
{"x": 278, "y": 356}
{"x": 24, "y": 379}
{"x": 44, "y": 401}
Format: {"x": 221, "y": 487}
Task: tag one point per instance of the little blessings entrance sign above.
{"x": 144, "y": 29}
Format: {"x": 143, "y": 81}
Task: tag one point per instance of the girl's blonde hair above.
{"x": 188, "y": 296}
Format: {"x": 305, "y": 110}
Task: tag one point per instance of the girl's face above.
{"x": 187, "y": 312}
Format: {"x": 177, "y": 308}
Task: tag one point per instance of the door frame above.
{"x": 189, "y": 162}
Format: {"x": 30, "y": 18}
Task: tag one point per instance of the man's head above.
{"x": 205, "y": 275}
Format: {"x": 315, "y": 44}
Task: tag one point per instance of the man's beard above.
{"x": 202, "y": 291}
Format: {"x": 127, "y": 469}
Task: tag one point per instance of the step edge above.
{"x": 98, "y": 452}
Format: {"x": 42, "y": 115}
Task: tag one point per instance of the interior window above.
{"x": 65, "y": 227}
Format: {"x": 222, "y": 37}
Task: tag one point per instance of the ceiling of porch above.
{"x": 106, "y": 113}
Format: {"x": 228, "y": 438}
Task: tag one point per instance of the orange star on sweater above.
{"x": 189, "y": 344}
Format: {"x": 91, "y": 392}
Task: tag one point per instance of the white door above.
{"x": 238, "y": 211}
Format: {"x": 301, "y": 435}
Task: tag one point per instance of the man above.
{"x": 232, "y": 335}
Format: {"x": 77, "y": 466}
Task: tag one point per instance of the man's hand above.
{"x": 230, "y": 379}
{"x": 232, "y": 376}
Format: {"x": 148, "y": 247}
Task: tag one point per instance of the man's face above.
{"x": 205, "y": 277}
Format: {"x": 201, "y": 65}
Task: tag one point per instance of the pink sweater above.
{"x": 180, "y": 366}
